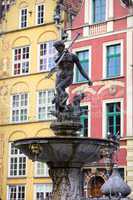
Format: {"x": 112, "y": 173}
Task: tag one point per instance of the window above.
{"x": 21, "y": 60}
{"x": 99, "y": 11}
{"x": 113, "y": 60}
{"x": 113, "y": 117}
{"x": 40, "y": 14}
{"x": 113, "y": 111}
{"x": 16, "y": 192}
{"x": 23, "y": 18}
{"x": 20, "y": 107}
{"x": 84, "y": 60}
{"x": 46, "y": 56}
{"x": 17, "y": 162}
{"x": 41, "y": 169}
{"x": 45, "y": 105}
{"x": 42, "y": 191}
{"x": 84, "y": 121}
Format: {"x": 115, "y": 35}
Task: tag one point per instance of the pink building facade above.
{"x": 105, "y": 50}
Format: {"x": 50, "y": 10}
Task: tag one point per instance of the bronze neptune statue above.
{"x": 65, "y": 62}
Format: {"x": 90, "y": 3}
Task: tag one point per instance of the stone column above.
{"x": 66, "y": 183}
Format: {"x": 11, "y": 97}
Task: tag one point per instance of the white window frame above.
{"x": 46, "y": 105}
{"x": 104, "y": 116}
{"x": 39, "y": 57}
{"x": 91, "y": 12}
{"x": 89, "y": 48}
{"x": 88, "y": 104}
{"x": 15, "y": 156}
{"x": 45, "y": 170}
{"x": 13, "y": 61}
{"x": 41, "y": 4}
{"x": 43, "y": 189}
{"x": 105, "y": 45}
{"x": 20, "y": 15}
{"x": 11, "y": 108}
{"x": 21, "y": 185}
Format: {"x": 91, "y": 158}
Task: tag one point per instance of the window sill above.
{"x": 19, "y": 75}
{"x": 43, "y": 71}
{"x": 38, "y": 177}
{"x": 112, "y": 78}
{"x": 24, "y": 75}
{"x": 45, "y": 120}
{"x": 37, "y": 24}
{"x": 29, "y": 74}
{"x": 78, "y": 83}
{"x": 25, "y": 27}
{"x": 28, "y": 122}
{"x": 98, "y": 23}
{"x": 20, "y": 122}
{"x": 16, "y": 177}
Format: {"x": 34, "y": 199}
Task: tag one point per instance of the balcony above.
{"x": 96, "y": 29}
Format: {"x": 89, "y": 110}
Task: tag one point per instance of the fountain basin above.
{"x": 65, "y": 155}
{"x": 65, "y": 151}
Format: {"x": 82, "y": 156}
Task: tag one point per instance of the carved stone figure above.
{"x": 67, "y": 183}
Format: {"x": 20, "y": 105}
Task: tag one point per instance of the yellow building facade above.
{"x": 27, "y": 32}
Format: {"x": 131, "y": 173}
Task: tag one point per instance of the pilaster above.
{"x": 130, "y": 162}
{"x": 110, "y": 8}
{"x": 129, "y": 75}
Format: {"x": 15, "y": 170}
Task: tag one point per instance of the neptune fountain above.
{"x": 66, "y": 152}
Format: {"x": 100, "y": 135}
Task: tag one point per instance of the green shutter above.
{"x": 84, "y": 60}
{"x": 113, "y": 114}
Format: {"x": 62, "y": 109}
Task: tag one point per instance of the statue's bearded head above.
{"x": 59, "y": 45}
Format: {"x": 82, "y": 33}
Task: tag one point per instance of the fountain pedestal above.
{"x": 66, "y": 183}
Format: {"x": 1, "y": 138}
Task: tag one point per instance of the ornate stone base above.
{"x": 65, "y": 157}
{"x": 67, "y": 183}
{"x": 66, "y": 128}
